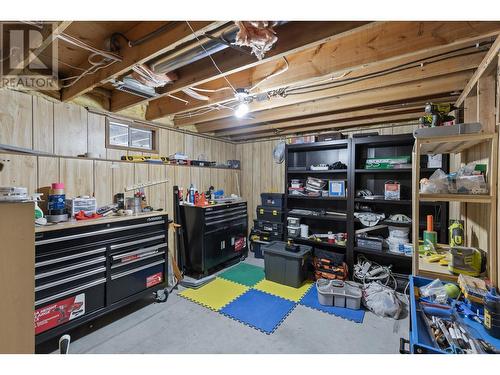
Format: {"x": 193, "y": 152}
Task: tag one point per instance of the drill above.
{"x": 437, "y": 114}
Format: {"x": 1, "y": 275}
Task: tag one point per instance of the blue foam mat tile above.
{"x": 259, "y": 310}
{"x": 310, "y": 300}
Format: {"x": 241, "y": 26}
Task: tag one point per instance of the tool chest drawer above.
{"x": 128, "y": 282}
{"x": 74, "y": 303}
{"x": 84, "y": 270}
{"x": 221, "y": 216}
{"x": 50, "y": 286}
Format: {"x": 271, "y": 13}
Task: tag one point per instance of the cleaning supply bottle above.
{"x": 191, "y": 193}
{"x": 36, "y": 197}
{"x": 57, "y": 199}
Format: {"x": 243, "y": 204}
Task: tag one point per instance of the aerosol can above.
{"x": 456, "y": 233}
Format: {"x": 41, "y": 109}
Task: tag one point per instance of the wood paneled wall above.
{"x": 67, "y": 130}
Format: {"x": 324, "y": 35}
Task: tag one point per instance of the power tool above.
{"x": 467, "y": 260}
{"x": 456, "y": 235}
{"x": 437, "y": 114}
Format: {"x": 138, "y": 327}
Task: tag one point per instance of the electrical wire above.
{"x": 93, "y": 68}
{"x": 208, "y": 90}
{"x": 282, "y": 70}
{"x": 384, "y": 274}
{"x": 429, "y": 60}
{"x": 210, "y": 57}
{"x": 339, "y": 81}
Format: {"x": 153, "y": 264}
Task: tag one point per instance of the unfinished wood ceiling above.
{"x": 318, "y": 75}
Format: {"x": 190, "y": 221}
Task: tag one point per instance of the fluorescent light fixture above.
{"x": 241, "y": 110}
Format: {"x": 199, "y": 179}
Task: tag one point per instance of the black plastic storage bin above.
{"x": 272, "y": 214}
{"x": 272, "y": 199}
{"x": 286, "y": 267}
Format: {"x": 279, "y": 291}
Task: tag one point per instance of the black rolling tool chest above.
{"x": 215, "y": 236}
{"x": 86, "y": 269}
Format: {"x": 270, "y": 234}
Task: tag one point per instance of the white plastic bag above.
{"x": 382, "y": 300}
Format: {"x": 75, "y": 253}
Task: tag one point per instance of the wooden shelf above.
{"x": 317, "y": 198}
{"x": 465, "y": 198}
{"x": 452, "y": 144}
{"x": 382, "y": 253}
{"x": 306, "y": 171}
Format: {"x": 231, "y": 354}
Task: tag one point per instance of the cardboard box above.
{"x": 336, "y": 188}
{"x": 392, "y": 190}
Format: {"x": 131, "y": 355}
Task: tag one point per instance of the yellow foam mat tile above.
{"x": 283, "y": 291}
{"x": 216, "y": 294}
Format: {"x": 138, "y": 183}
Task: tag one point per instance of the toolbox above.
{"x": 260, "y": 235}
{"x": 90, "y": 268}
{"x": 285, "y": 267}
{"x": 420, "y": 341}
{"x": 273, "y": 214}
{"x": 272, "y": 199}
{"x": 268, "y": 226}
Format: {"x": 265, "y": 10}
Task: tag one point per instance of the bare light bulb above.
{"x": 241, "y": 110}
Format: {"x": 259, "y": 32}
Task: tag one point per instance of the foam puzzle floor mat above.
{"x": 310, "y": 300}
{"x": 259, "y": 310}
{"x": 245, "y": 274}
{"x": 216, "y": 294}
{"x": 242, "y": 294}
{"x": 283, "y": 291}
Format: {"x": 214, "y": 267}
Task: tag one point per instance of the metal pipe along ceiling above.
{"x": 169, "y": 64}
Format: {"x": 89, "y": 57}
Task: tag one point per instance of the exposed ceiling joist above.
{"x": 337, "y": 126}
{"x": 435, "y": 69}
{"x": 292, "y": 37}
{"x": 483, "y": 66}
{"x": 412, "y": 106}
{"x": 328, "y": 119}
{"x": 178, "y": 34}
{"x": 376, "y": 43}
{"x": 443, "y": 86}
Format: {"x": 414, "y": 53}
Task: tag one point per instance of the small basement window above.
{"x": 130, "y": 136}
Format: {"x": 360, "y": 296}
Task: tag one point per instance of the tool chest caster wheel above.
{"x": 64, "y": 342}
{"x": 161, "y": 295}
{"x": 402, "y": 346}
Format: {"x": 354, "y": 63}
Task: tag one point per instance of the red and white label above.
{"x": 154, "y": 279}
{"x": 240, "y": 244}
{"x": 59, "y": 313}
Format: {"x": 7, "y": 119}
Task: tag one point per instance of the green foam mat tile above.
{"x": 244, "y": 274}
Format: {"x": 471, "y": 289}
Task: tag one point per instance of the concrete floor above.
{"x": 181, "y": 326}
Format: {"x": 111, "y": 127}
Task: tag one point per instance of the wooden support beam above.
{"x": 292, "y": 37}
{"x": 490, "y": 56}
{"x": 178, "y": 34}
{"x": 443, "y": 86}
{"x": 371, "y": 44}
{"x": 410, "y": 116}
{"x": 428, "y": 70}
{"x": 335, "y": 118}
{"x": 337, "y": 126}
